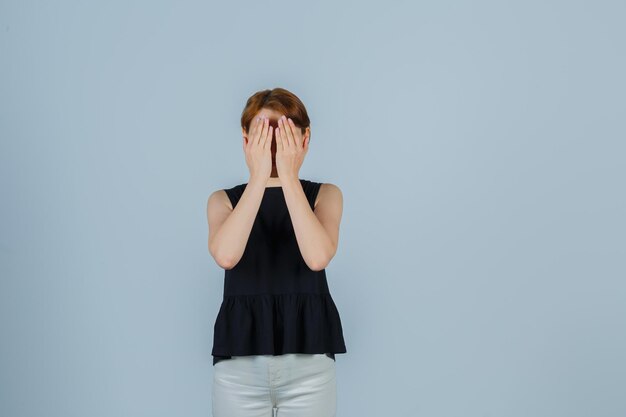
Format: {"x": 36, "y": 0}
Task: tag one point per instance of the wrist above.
{"x": 289, "y": 180}
{"x": 257, "y": 179}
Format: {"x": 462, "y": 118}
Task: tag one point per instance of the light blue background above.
{"x": 479, "y": 147}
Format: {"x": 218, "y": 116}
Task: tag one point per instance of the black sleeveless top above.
{"x": 273, "y": 302}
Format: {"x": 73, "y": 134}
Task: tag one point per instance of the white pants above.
{"x": 288, "y": 385}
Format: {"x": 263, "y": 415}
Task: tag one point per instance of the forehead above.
{"x": 272, "y": 114}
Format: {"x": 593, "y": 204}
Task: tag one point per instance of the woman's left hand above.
{"x": 290, "y": 149}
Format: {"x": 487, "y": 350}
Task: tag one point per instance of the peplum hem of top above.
{"x": 273, "y": 324}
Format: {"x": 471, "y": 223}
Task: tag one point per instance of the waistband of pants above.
{"x": 218, "y": 358}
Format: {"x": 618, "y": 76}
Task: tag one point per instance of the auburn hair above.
{"x": 277, "y": 99}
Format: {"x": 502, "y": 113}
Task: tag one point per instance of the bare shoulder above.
{"x": 218, "y": 200}
{"x": 329, "y": 193}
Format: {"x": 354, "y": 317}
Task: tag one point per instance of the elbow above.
{"x": 321, "y": 262}
{"x": 227, "y": 264}
{"x": 224, "y": 261}
{"x": 318, "y": 266}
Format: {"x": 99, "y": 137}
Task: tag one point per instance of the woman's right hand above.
{"x": 257, "y": 147}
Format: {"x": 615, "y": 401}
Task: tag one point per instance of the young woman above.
{"x": 278, "y": 328}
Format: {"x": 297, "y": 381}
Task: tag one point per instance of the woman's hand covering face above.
{"x": 291, "y": 148}
{"x": 257, "y": 148}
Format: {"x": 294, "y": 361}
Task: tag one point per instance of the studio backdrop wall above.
{"x": 479, "y": 147}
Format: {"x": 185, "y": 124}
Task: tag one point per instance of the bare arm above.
{"x": 229, "y": 229}
{"x": 317, "y": 231}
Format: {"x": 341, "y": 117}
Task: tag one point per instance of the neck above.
{"x": 273, "y": 182}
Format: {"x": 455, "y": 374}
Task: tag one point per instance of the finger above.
{"x": 254, "y": 130}
{"x": 267, "y": 142}
{"x": 283, "y": 128}
{"x": 259, "y": 130}
{"x": 289, "y": 133}
{"x": 280, "y": 138}
{"x": 296, "y": 133}
{"x": 264, "y": 125}
{"x": 285, "y": 139}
